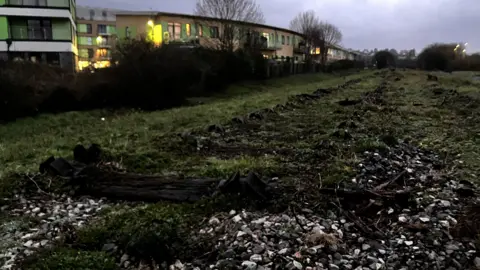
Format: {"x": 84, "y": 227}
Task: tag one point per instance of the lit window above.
{"x": 199, "y": 30}
{"x": 187, "y": 28}
{"x": 103, "y": 53}
{"x": 174, "y": 30}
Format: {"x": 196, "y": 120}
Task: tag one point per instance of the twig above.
{"x": 395, "y": 179}
{"x": 38, "y": 187}
{"x": 298, "y": 221}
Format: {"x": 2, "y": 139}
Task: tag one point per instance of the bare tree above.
{"x": 306, "y": 23}
{"x": 232, "y": 17}
{"x": 328, "y": 36}
{"x": 316, "y": 33}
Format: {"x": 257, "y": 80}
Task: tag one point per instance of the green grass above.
{"x": 302, "y": 146}
{"x": 131, "y": 136}
{"x": 65, "y": 258}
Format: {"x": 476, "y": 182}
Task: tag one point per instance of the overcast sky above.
{"x": 365, "y": 24}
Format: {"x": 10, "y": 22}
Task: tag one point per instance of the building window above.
{"x": 267, "y": 38}
{"x": 214, "y": 32}
{"x": 288, "y": 40}
{"x": 283, "y": 40}
{"x": 175, "y": 30}
{"x": 85, "y": 53}
{"x": 102, "y": 41}
{"x": 33, "y": 3}
{"x": 85, "y": 41}
{"x": 127, "y": 32}
{"x": 102, "y": 29}
{"x": 85, "y": 28}
{"x": 199, "y": 30}
{"x": 39, "y": 29}
{"x": 188, "y": 30}
{"x": 103, "y": 53}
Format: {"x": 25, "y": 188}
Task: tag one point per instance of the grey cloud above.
{"x": 400, "y": 24}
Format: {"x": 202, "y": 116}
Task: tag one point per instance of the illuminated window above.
{"x": 174, "y": 29}
{"x": 103, "y": 53}
{"x": 187, "y": 28}
{"x": 199, "y": 30}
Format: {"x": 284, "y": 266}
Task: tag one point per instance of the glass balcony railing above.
{"x": 25, "y": 33}
{"x": 39, "y": 3}
{"x": 39, "y": 33}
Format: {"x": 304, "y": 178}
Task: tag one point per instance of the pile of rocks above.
{"x": 38, "y": 222}
{"x": 412, "y": 236}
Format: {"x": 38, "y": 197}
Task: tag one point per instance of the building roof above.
{"x": 96, "y": 14}
{"x": 156, "y": 13}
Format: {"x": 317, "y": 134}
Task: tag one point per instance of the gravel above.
{"x": 411, "y": 235}
{"x": 38, "y": 222}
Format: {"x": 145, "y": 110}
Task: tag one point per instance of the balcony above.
{"x": 103, "y": 42}
{"x": 31, "y": 33}
{"x": 261, "y": 42}
{"x": 39, "y": 33}
{"x": 104, "y": 45}
{"x": 105, "y": 33}
{"x": 301, "y": 49}
{"x": 39, "y": 3}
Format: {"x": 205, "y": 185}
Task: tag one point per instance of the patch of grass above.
{"x": 130, "y": 135}
{"x": 160, "y": 232}
{"x": 370, "y": 145}
{"x": 221, "y": 168}
{"x": 69, "y": 259}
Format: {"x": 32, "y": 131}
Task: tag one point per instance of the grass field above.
{"x": 130, "y": 136}
{"x": 317, "y": 140}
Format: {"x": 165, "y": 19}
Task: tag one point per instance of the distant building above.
{"x": 39, "y": 31}
{"x": 162, "y": 27}
{"x": 96, "y": 28}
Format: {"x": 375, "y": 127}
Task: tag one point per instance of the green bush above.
{"x": 146, "y": 77}
{"x": 434, "y": 59}
{"x": 24, "y": 86}
{"x": 384, "y": 59}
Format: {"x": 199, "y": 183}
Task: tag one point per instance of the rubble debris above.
{"x": 92, "y": 180}
{"x": 431, "y": 77}
{"x": 349, "y": 102}
{"x": 216, "y": 128}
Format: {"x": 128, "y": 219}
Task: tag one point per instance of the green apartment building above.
{"x": 40, "y": 31}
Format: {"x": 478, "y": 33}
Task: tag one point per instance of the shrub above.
{"x": 406, "y": 63}
{"x": 344, "y": 64}
{"x": 432, "y": 59}
{"x": 24, "y": 86}
{"x": 145, "y": 77}
{"x": 384, "y": 59}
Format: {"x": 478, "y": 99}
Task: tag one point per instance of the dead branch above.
{"x": 393, "y": 180}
